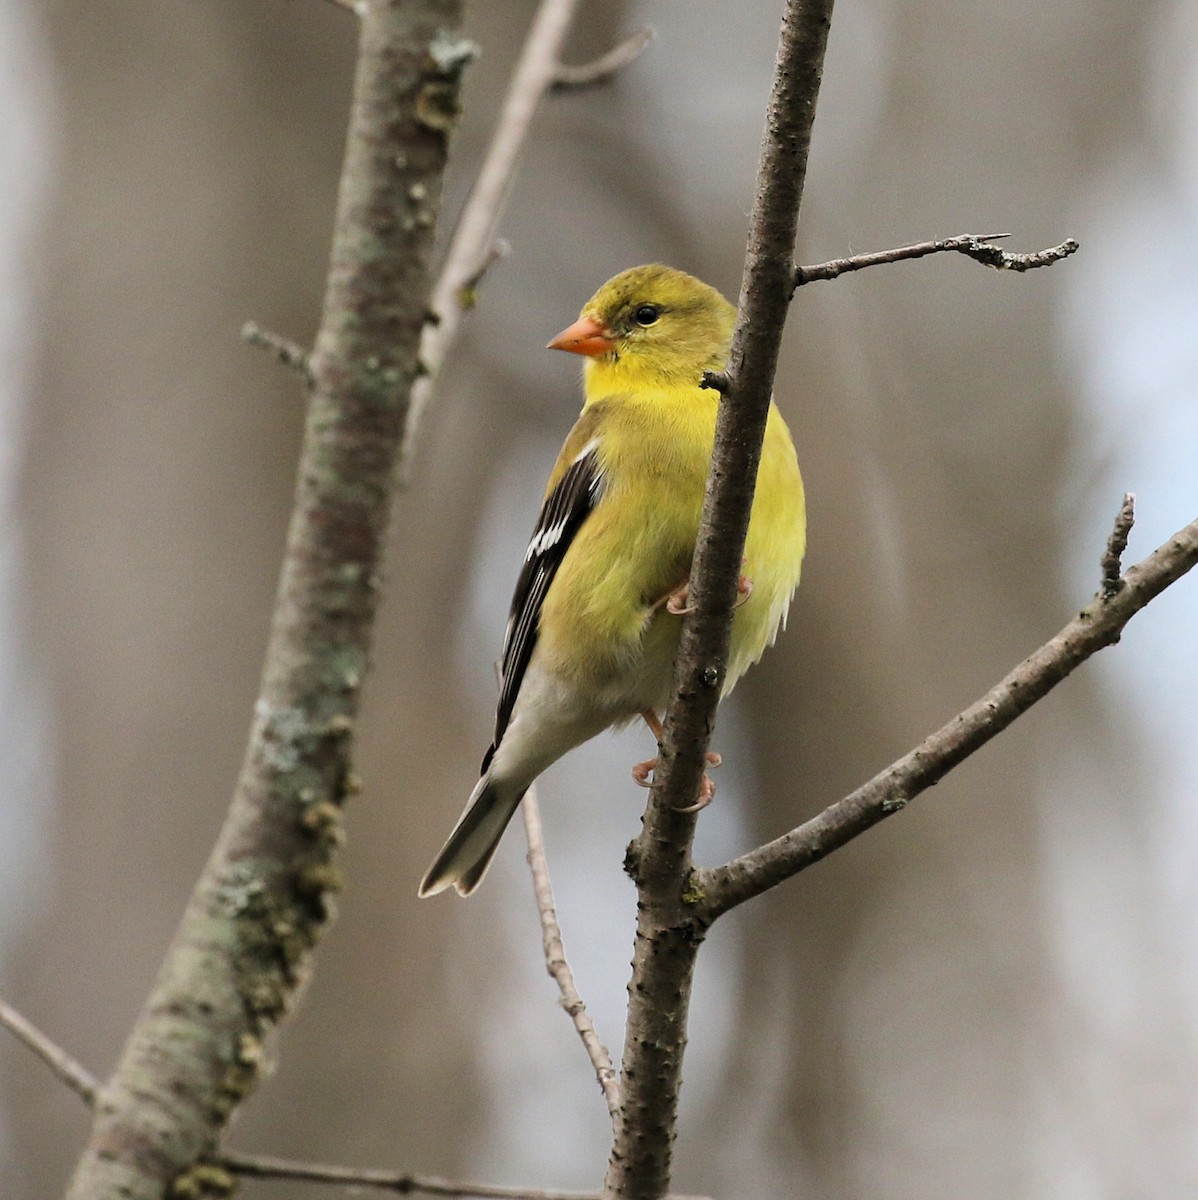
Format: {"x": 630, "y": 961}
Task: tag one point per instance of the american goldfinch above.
{"x": 598, "y": 606}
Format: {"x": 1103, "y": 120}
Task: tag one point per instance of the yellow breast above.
{"x": 602, "y": 622}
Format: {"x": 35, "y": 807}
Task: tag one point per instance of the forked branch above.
{"x": 471, "y": 249}
{"x": 1100, "y": 624}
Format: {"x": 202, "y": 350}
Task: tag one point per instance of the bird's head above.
{"x": 649, "y": 325}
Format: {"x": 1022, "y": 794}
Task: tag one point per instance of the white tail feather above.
{"x": 467, "y": 853}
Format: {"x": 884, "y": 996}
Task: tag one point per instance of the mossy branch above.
{"x": 245, "y": 942}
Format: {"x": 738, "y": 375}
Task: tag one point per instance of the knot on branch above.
{"x": 718, "y": 381}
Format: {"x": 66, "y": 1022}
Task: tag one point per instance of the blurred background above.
{"x": 993, "y": 994}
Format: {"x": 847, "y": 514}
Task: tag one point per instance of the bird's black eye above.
{"x": 646, "y": 314}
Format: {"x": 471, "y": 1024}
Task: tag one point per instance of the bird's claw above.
{"x": 642, "y": 775}
{"x": 706, "y": 791}
{"x": 678, "y": 602}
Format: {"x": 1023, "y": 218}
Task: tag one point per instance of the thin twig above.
{"x": 555, "y": 957}
{"x": 717, "y": 890}
{"x": 78, "y": 1078}
{"x": 475, "y": 231}
{"x": 289, "y": 353}
{"x": 453, "y": 295}
{"x": 1112, "y": 560}
{"x": 402, "y": 1183}
{"x": 973, "y": 245}
{"x": 600, "y": 70}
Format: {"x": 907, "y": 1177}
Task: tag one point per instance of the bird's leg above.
{"x": 643, "y": 771}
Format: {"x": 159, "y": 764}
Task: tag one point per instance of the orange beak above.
{"x": 585, "y": 336}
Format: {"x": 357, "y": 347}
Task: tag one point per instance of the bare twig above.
{"x": 555, "y": 956}
{"x": 244, "y": 946}
{"x": 667, "y": 936}
{"x": 973, "y": 245}
{"x": 289, "y": 353}
{"x": 402, "y": 1183}
{"x": 78, "y": 1078}
{"x": 1112, "y": 560}
{"x": 1005, "y": 260}
{"x": 601, "y": 69}
{"x": 717, "y": 890}
{"x": 535, "y": 76}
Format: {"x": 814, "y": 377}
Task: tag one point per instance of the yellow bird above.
{"x": 598, "y": 607}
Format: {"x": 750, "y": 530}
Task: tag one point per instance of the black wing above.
{"x": 562, "y": 515}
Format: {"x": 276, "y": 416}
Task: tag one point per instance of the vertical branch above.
{"x": 245, "y": 941}
{"x": 668, "y": 933}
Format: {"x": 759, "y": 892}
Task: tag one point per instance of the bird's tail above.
{"x": 466, "y": 855}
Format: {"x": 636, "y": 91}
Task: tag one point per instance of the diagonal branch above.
{"x": 555, "y": 956}
{"x": 1100, "y": 624}
{"x": 474, "y": 235}
{"x": 78, "y": 1078}
{"x": 972, "y": 245}
{"x": 537, "y": 73}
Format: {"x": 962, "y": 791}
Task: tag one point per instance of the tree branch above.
{"x": 667, "y": 936}
{"x": 555, "y": 956}
{"x": 289, "y": 353}
{"x": 600, "y": 70}
{"x": 404, "y": 1184}
{"x": 1100, "y": 624}
{"x": 536, "y": 74}
{"x": 244, "y": 945}
{"x": 1112, "y": 560}
{"x": 78, "y": 1078}
{"x": 973, "y": 245}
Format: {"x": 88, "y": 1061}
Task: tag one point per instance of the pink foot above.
{"x": 642, "y": 775}
{"x": 678, "y": 603}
